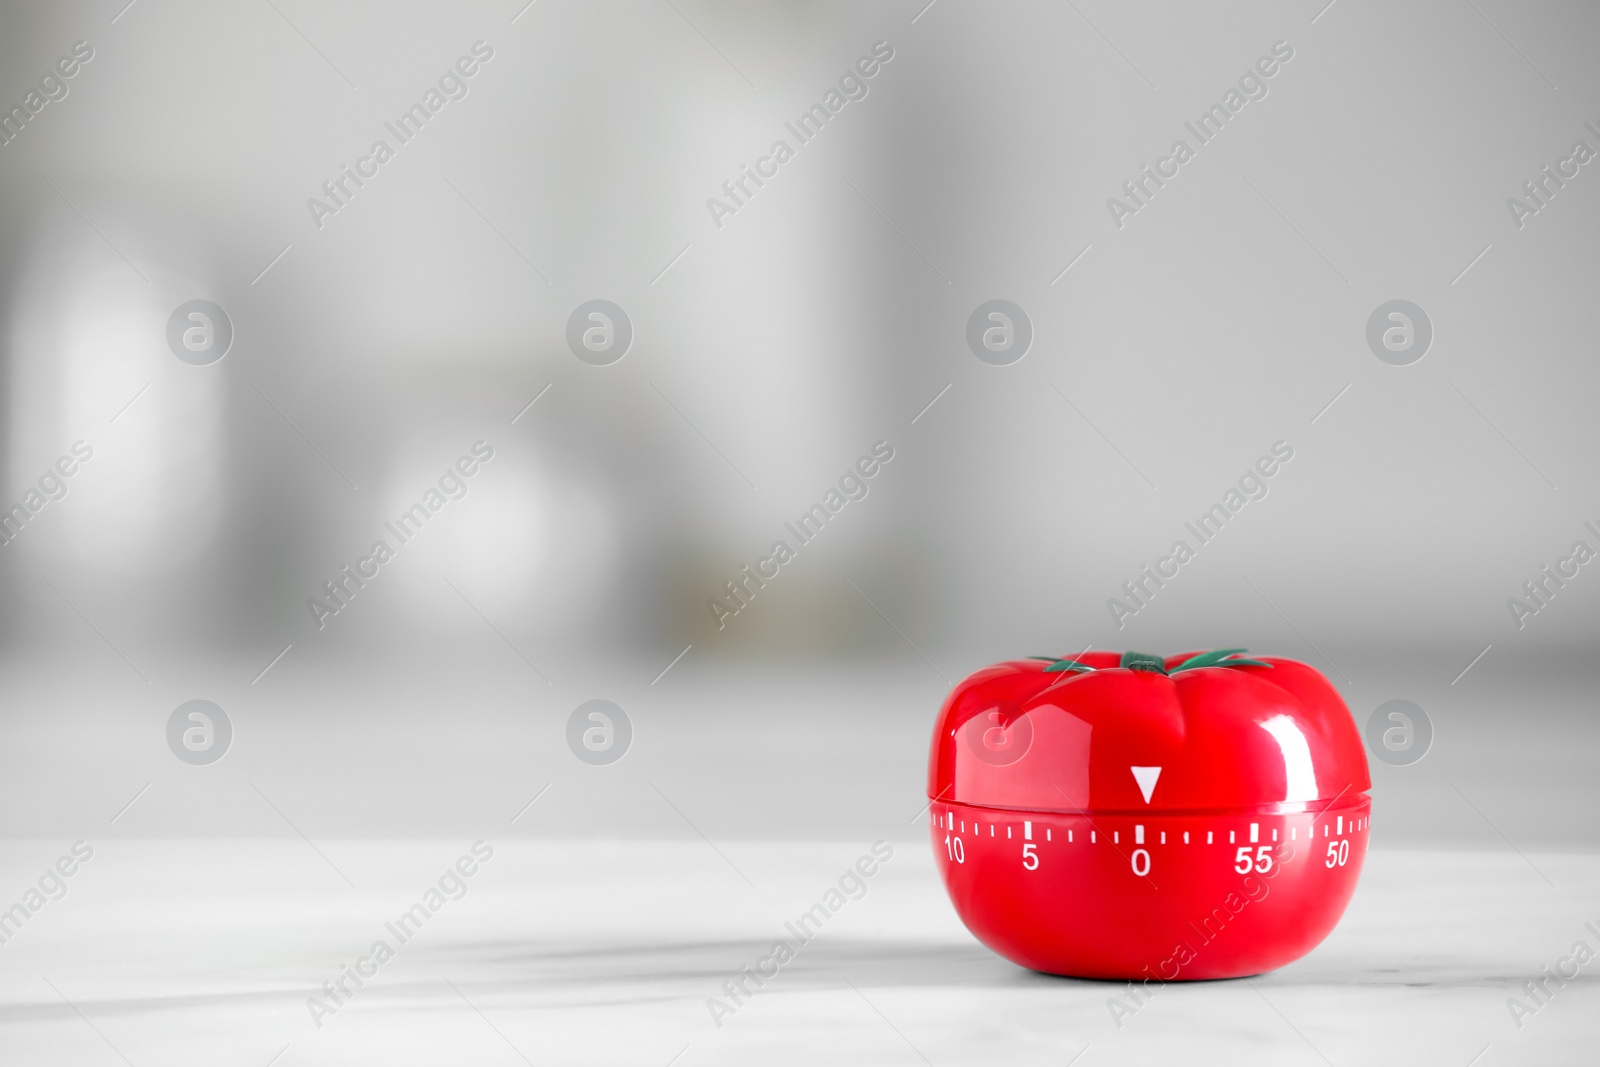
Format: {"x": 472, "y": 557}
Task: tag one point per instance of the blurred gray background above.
{"x": 770, "y": 352}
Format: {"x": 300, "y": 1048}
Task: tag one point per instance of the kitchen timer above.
{"x": 1129, "y": 816}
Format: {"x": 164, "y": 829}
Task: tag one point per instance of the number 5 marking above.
{"x": 1030, "y": 856}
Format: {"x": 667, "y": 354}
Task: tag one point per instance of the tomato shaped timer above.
{"x": 1106, "y": 816}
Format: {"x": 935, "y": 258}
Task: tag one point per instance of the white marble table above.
{"x": 205, "y": 952}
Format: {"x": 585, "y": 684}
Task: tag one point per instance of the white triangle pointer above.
{"x": 1146, "y": 777}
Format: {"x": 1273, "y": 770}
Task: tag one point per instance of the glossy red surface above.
{"x": 1133, "y": 792}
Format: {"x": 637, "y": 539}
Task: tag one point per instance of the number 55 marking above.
{"x": 1261, "y": 863}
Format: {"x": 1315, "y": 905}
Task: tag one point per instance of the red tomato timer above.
{"x": 1202, "y": 816}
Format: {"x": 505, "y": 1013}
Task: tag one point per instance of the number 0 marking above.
{"x": 1141, "y": 868}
